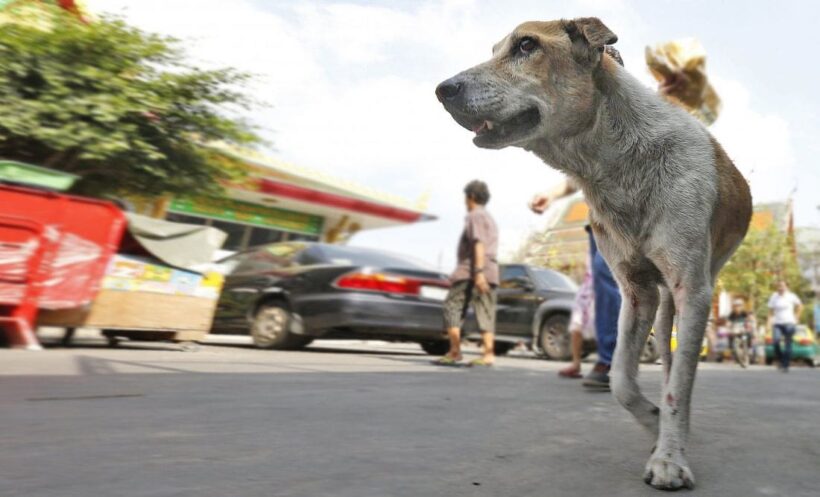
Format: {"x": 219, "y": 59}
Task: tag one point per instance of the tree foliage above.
{"x": 764, "y": 257}
{"x": 532, "y": 251}
{"x": 117, "y": 106}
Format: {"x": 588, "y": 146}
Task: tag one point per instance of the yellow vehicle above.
{"x": 650, "y": 353}
{"x": 704, "y": 349}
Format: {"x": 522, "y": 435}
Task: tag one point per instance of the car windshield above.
{"x": 356, "y": 256}
{"x": 553, "y": 280}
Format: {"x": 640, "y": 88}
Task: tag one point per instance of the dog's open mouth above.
{"x": 489, "y": 133}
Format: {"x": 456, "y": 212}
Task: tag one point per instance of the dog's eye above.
{"x": 527, "y": 45}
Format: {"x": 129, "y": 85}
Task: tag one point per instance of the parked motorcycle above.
{"x": 740, "y": 339}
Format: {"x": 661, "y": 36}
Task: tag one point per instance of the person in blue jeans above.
{"x": 607, "y": 296}
{"x": 784, "y": 309}
{"x": 607, "y": 308}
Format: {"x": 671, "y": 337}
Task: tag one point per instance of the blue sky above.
{"x": 351, "y": 83}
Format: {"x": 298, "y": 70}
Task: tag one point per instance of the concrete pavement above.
{"x": 372, "y": 419}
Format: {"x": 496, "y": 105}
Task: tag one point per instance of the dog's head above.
{"x": 538, "y": 84}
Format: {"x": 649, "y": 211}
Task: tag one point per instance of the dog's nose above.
{"x": 448, "y": 90}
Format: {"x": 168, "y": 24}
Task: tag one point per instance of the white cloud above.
{"x": 759, "y": 144}
{"x": 352, "y": 92}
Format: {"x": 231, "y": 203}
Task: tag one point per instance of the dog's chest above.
{"x": 626, "y": 213}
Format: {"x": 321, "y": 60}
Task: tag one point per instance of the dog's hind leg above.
{"x": 664, "y": 322}
{"x": 667, "y": 468}
{"x": 639, "y": 304}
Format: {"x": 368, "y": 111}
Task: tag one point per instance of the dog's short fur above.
{"x": 668, "y": 207}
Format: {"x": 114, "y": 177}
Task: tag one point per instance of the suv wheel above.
{"x": 270, "y": 329}
{"x": 554, "y": 337}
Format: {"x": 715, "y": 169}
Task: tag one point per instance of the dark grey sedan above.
{"x": 287, "y": 294}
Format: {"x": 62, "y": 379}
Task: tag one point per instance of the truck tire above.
{"x": 554, "y": 339}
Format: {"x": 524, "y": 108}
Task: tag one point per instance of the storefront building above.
{"x": 278, "y": 201}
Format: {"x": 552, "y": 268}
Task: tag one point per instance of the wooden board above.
{"x": 113, "y": 309}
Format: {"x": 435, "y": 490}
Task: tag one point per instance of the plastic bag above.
{"x": 680, "y": 68}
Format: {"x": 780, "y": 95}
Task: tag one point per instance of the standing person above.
{"x": 474, "y": 279}
{"x": 607, "y": 296}
{"x": 784, "y": 307}
{"x": 581, "y": 324}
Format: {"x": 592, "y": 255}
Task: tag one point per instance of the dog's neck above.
{"x": 626, "y": 125}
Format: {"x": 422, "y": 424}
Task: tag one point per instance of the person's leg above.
{"x": 777, "y": 333}
{"x": 577, "y": 347}
{"x": 454, "y": 336}
{"x": 453, "y": 311}
{"x": 788, "y": 335}
{"x": 485, "y": 305}
{"x": 607, "y": 309}
{"x": 488, "y": 346}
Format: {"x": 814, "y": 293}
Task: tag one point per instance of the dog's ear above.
{"x": 589, "y": 36}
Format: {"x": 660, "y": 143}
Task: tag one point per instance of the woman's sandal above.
{"x": 570, "y": 372}
{"x": 447, "y": 361}
{"x": 480, "y": 362}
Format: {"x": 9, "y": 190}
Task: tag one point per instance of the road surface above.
{"x": 358, "y": 419}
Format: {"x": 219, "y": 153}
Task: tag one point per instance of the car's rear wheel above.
{"x": 436, "y": 347}
{"x": 554, "y": 338}
{"x": 271, "y": 328}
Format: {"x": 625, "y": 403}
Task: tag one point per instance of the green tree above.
{"x": 764, "y": 257}
{"x": 117, "y": 106}
{"x": 532, "y": 251}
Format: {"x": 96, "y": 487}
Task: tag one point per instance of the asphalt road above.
{"x": 370, "y": 419}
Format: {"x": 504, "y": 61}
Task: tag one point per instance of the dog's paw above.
{"x": 668, "y": 471}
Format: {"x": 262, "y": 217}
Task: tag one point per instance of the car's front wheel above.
{"x": 271, "y": 329}
{"x": 554, "y": 338}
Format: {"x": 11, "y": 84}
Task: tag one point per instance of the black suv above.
{"x": 534, "y": 306}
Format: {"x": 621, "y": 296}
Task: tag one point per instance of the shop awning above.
{"x": 21, "y": 173}
{"x": 176, "y": 244}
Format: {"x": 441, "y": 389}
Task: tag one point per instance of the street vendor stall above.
{"x": 53, "y": 252}
{"x": 150, "y": 290}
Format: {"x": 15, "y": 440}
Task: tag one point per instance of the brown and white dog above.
{"x": 668, "y": 207}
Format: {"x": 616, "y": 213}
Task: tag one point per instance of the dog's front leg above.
{"x": 638, "y": 306}
{"x": 667, "y": 468}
